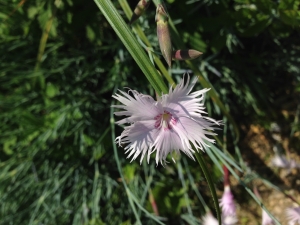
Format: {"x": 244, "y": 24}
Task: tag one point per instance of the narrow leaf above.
{"x": 203, "y": 166}
{"x": 130, "y": 42}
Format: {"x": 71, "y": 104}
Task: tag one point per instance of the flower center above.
{"x": 165, "y": 121}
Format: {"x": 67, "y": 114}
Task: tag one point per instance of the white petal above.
{"x": 280, "y": 161}
{"x": 190, "y": 130}
{"x": 208, "y": 219}
{"x": 136, "y": 108}
{"x": 167, "y": 141}
{"x": 227, "y": 203}
{"x": 293, "y": 215}
{"x": 229, "y": 220}
{"x": 139, "y": 137}
{"x": 182, "y": 102}
{"x": 266, "y": 219}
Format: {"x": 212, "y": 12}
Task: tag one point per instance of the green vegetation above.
{"x": 60, "y": 63}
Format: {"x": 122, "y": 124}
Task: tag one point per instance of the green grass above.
{"x": 58, "y": 163}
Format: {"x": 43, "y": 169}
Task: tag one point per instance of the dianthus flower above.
{"x": 209, "y": 219}
{"x": 282, "y": 161}
{"x": 293, "y": 215}
{"x": 172, "y": 123}
{"x": 227, "y": 204}
{"x": 266, "y": 219}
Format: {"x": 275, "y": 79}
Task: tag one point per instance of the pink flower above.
{"x": 228, "y": 207}
{"x": 209, "y": 219}
{"x": 227, "y": 202}
{"x": 282, "y": 162}
{"x": 172, "y": 123}
{"x": 266, "y": 219}
{"x": 293, "y": 215}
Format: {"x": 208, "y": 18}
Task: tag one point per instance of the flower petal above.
{"x": 193, "y": 131}
{"x": 166, "y": 142}
{"x": 266, "y": 219}
{"x": 209, "y": 219}
{"x": 139, "y": 137}
{"x": 137, "y": 108}
{"x": 293, "y": 215}
{"x": 227, "y": 203}
{"x": 173, "y": 123}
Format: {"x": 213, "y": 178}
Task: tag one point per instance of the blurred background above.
{"x": 60, "y": 63}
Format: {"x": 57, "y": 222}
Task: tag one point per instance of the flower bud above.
{"x": 185, "y": 54}
{"x": 163, "y": 33}
{"x": 139, "y": 10}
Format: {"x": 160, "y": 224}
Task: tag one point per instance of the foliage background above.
{"x": 60, "y": 62}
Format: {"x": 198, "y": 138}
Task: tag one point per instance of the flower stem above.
{"x": 132, "y": 45}
{"x": 203, "y": 166}
{"x": 139, "y": 31}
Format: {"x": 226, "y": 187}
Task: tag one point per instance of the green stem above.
{"x": 42, "y": 46}
{"x": 177, "y": 40}
{"x": 203, "y": 166}
{"x": 112, "y": 126}
{"x": 130, "y": 42}
{"x": 138, "y": 30}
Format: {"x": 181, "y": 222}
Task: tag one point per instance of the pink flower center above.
{"x": 165, "y": 121}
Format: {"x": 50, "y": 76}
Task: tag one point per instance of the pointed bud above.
{"x": 163, "y": 33}
{"x": 185, "y": 54}
{"x": 139, "y": 10}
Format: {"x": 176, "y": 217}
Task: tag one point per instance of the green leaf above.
{"x": 208, "y": 178}
{"x": 90, "y": 33}
{"x": 43, "y": 17}
{"x": 88, "y": 140}
{"x": 139, "y": 31}
{"x": 288, "y": 4}
{"x": 196, "y": 42}
{"x": 130, "y": 42}
{"x": 32, "y": 11}
{"x": 265, "y": 6}
{"x": 51, "y": 90}
{"x": 129, "y": 171}
{"x": 257, "y": 27}
{"x": 8, "y": 144}
{"x": 203, "y": 80}
{"x": 290, "y": 17}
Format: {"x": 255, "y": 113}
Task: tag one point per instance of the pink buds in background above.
{"x": 227, "y": 204}
{"x": 139, "y": 10}
{"x": 185, "y": 54}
